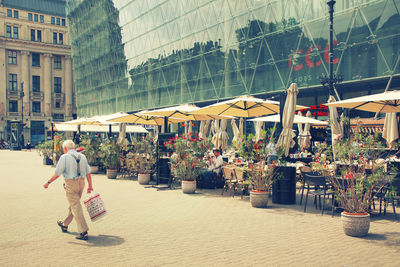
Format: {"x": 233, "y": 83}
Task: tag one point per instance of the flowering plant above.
{"x": 188, "y": 157}
{"x": 260, "y": 174}
{"x": 92, "y": 152}
{"x": 353, "y": 170}
{"x": 110, "y": 154}
{"x": 143, "y": 156}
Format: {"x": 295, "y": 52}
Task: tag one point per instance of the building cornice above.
{"x": 25, "y": 45}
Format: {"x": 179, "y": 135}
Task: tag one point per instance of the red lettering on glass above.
{"x": 308, "y": 60}
{"x": 297, "y": 67}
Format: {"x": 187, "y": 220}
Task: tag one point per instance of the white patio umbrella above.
{"x": 214, "y": 131}
{"x": 122, "y": 133}
{"x": 383, "y": 102}
{"x": 241, "y": 127}
{"x": 286, "y": 138}
{"x": 306, "y": 132}
{"x": 140, "y": 118}
{"x": 390, "y": 129}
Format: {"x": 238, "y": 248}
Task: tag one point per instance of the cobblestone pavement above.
{"x": 146, "y": 227}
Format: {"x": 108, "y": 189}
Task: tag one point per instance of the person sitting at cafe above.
{"x": 210, "y": 176}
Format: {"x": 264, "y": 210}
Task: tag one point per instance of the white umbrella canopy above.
{"x": 390, "y": 129}
{"x": 140, "y": 118}
{"x": 306, "y": 132}
{"x": 383, "y": 102}
{"x": 182, "y": 112}
{"x": 286, "y": 138}
{"x": 297, "y": 119}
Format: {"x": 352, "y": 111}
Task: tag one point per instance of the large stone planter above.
{"x": 144, "y": 178}
{"x": 355, "y": 224}
{"x": 94, "y": 169}
{"x": 259, "y": 199}
{"x": 189, "y": 187}
{"x": 112, "y": 173}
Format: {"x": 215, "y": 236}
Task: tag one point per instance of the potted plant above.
{"x": 187, "y": 161}
{"x": 92, "y": 152}
{"x": 110, "y": 153}
{"x": 58, "y": 148}
{"x": 45, "y": 150}
{"x": 260, "y": 175}
{"x": 144, "y": 159}
{"x": 358, "y": 175}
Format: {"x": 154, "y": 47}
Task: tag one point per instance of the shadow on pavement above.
{"x": 101, "y": 241}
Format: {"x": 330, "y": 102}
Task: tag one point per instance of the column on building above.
{"x": 25, "y": 79}
{"x": 3, "y": 93}
{"x": 47, "y": 84}
{"x": 68, "y": 87}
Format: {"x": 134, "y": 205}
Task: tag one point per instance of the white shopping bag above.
{"x": 95, "y": 207}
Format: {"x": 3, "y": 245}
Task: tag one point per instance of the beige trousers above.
{"x": 74, "y": 190}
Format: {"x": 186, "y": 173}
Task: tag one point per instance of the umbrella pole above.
{"x": 166, "y": 125}
{"x": 109, "y": 131}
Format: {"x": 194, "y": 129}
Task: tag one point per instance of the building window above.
{"x": 63, "y": 22}
{"x": 8, "y": 31}
{"x": 39, "y": 35}
{"x": 41, "y": 18}
{"x": 57, "y": 21}
{"x": 33, "y": 35}
{"x": 58, "y": 105}
{"x": 12, "y": 82}
{"x": 35, "y": 18}
{"x": 15, "y": 33}
{"x": 58, "y": 117}
{"x": 9, "y": 13}
{"x": 36, "y": 83}
{"x": 36, "y": 107}
{"x": 12, "y": 57}
{"x": 57, "y": 85}
{"x": 16, "y": 14}
{"x": 53, "y": 21}
{"x": 35, "y": 59}
{"x": 54, "y": 38}
{"x": 57, "y": 62}
{"x": 60, "y": 38}
{"x": 30, "y": 16}
{"x": 13, "y": 106}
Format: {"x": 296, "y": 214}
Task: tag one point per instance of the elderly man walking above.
{"x": 74, "y": 167}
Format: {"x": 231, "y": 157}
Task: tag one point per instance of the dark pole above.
{"x": 331, "y": 3}
{"x": 22, "y": 94}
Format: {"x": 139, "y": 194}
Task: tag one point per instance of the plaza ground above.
{"x": 150, "y": 227}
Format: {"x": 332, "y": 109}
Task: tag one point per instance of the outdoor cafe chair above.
{"x": 234, "y": 181}
{"x": 318, "y": 187}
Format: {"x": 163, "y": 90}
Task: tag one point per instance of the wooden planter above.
{"x": 94, "y": 169}
{"x": 144, "y": 178}
{"x": 355, "y": 224}
{"x": 188, "y": 187}
{"x": 112, "y": 173}
{"x": 259, "y": 199}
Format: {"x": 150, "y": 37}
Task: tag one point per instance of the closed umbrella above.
{"x": 241, "y": 127}
{"x": 122, "y": 133}
{"x": 286, "y": 138}
{"x": 215, "y": 130}
{"x": 235, "y": 129}
{"x": 336, "y": 127}
{"x": 223, "y": 135}
{"x": 390, "y": 128}
{"x": 258, "y": 129}
{"x": 300, "y": 136}
{"x": 206, "y": 129}
{"x": 306, "y": 132}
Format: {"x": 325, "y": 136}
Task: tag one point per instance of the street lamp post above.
{"x": 22, "y": 94}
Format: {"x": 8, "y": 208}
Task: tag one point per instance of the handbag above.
{"x": 95, "y": 207}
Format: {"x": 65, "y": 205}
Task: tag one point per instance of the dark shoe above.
{"x": 83, "y": 236}
{"x": 63, "y": 228}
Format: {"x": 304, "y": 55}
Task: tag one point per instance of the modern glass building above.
{"x": 130, "y": 55}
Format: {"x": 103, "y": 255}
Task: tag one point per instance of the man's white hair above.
{"x": 69, "y": 144}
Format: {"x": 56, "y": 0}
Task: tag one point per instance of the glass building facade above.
{"x": 131, "y": 55}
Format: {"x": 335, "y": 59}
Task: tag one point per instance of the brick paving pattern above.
{"x": 146, "y": 227}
